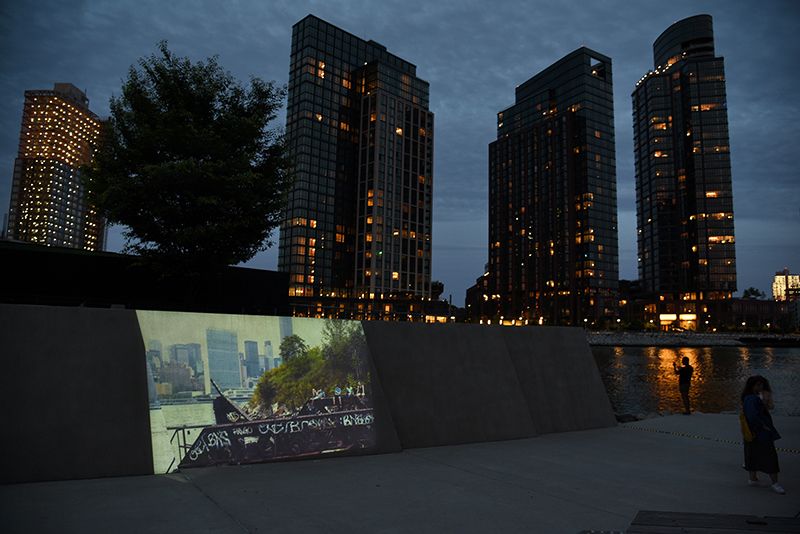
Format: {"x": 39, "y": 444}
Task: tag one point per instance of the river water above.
{"x": 640, "y": 380}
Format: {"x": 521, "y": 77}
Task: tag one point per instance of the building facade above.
{"x": 684, "y": 202}
{"x": 553, "y": 255}
{"x": 223, "y": 358}
{"x": 786, "y": 286}
{"x": 358, "y": 220}
{"x": 48, "y": 206}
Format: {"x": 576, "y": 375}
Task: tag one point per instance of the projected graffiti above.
{"x": 242, "y": 389}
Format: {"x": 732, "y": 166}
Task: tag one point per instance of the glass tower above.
{"x": 58, "y": 135}
{"x": 358, "y": 220}
{"x": 684, "y": 200}
{"x": 223, "y": 358}
{"x": 553, "y": 198}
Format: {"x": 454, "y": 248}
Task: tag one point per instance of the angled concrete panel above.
{"x": 448, "y": 384}
{"x": 74, "y": 385}
{"x": 559, "y": 379}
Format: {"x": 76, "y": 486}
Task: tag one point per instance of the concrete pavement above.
{"x": 568, "y": 482}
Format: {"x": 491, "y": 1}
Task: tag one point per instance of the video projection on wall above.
{"x": 234, "y": 389}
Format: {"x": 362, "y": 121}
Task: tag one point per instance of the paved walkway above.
{"x": 595, "y": 479}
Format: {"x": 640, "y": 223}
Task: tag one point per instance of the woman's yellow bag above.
{"x": 747, "y": 435}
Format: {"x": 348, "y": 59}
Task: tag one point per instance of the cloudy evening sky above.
{"x": 473, "y": 53}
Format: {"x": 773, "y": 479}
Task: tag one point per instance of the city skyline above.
{"x": 186, "y": 328}
{"x": 493, "y": 50}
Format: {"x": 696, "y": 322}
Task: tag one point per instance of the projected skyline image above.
{"x": 240, "y": 389}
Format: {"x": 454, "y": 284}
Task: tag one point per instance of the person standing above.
{"x": 760, "y": 453}
{"x": 684, "y": 373}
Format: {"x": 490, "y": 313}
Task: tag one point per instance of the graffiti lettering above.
{"x": 233, "y": 417}
{"x": 217, "y": 440}
{"x": 207, "y": 442}
{"x": 292, "y": 427}
{"x": 357, "y": 419}
{"x": 243, "y": 431}
{"x": 271, "y": 428}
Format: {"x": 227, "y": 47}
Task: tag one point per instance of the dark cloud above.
{"x": 473, "y": 53}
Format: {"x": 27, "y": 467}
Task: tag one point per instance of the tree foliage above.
{"x": 753, "y": 293}
{"x": 340, "y": 361}
{"x": 188, "y": 164}
{"x": 291, "y": 347}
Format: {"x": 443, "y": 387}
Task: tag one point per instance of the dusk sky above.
{"x": 473, "y": 53}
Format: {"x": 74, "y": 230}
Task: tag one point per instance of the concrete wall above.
{"x": 74, "y": 386}
{"x": 459, "y": 383}
{"x": 447, "y": 384}
{"x": 74, "y": 391}
{"x": 559, "y": 379}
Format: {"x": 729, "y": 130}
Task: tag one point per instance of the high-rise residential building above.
{"x": 48, "y": 205}
{"x": 786, "y": 286}
{"x": 223, "y": 358}
{"x": 358, "y": 221}
{"x": 251, "y": 361}
{"x": 553, "y": 197}
{"x": 684, "y": 201}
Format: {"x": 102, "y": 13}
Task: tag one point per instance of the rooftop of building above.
{"x": 376, "y": 45}
{"x": 543, "y": 78}
{"x": 66, "y": 91}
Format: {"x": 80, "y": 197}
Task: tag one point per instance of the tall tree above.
{"x": 188, "y": 164}
{"x": 292, "y": 347}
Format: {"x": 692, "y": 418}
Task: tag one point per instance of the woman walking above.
{"x": 760, "y": 453}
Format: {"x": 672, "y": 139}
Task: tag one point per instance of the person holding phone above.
{"x": 684, "y": 373}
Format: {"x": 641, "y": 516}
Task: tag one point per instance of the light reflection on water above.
{"x": 641, "y": 379}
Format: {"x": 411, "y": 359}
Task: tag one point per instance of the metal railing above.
{"x": 181, "y": 434}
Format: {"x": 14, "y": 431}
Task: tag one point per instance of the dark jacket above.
{"x": 758, "y": 419}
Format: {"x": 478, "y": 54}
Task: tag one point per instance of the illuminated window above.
{"x": 395, "y": 275}
{"x": 398, "y": 131}
{"x": 712, "y": 194}
{"x": 340, "y": 238}
{"x": 312, "y": 223}
{"x": 721, "y": 239}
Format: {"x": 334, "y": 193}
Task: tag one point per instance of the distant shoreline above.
{"x": 690, "y": 339}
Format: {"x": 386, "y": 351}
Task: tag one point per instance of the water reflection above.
{"x": 642, "y": 380}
